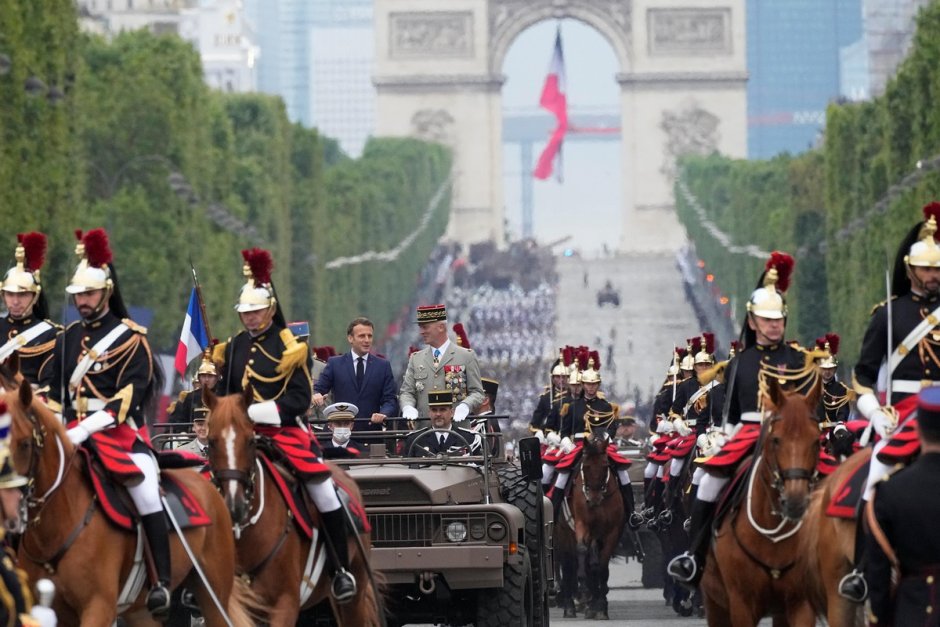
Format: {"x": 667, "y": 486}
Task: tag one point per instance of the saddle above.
{"x": 733, "y": 493}
{"x": 846, "y": 498}
{"x": 110, "y": 469}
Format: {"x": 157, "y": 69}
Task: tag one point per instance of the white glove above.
{"x": 882, "y": 423}
{"x": 77, "y": 434}
{"x": 409, "y": 413}
{"x": 553, "y": 439}
{"x": 540, "y": 435}
{"x": 461, "y": 412}
{"x": 566, "y": 445}
{"x": 664, "y": 426}
{"x": 682, "y": 428}
{"x": 264, "y": 413}
{"x": 869, "y": 407}
{"x": 45, "y": 616}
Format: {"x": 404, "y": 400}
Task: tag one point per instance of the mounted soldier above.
{"x": 25, "y": 329}
{"x": 550, "y": 398}
{"x": 552, "y": 450}
{"x": 900, "y": 355}
{"x": 268, "y": 357}
{"x": 766, "y": 355}
{"x": 661, "y": 429}
{"x": 105, "y": 382}
{"x": 836, "y": 402}
{"x": 192, "y": 403}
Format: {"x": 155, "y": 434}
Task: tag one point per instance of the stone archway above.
{"x": 682, "y": 81}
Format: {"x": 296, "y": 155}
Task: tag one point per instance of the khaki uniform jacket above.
{"x": 457, "y": 371}
{"x": 192, "y": 447}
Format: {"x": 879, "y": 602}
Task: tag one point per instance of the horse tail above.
{"x": 244, "y": 607}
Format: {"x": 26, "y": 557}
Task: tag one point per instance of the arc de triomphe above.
{"x": 682, "y": 83}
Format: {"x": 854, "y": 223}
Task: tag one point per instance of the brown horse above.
{"x": 287, "y": 572}
{"x": 750, "y": 572}
{"x": 69, "y": 540}
{"x": 828, "y": 548}
{"x": 597, "y": 508}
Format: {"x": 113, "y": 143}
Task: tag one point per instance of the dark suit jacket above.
{"x": 377, "y": 395}
{"x": 432, "y": 443}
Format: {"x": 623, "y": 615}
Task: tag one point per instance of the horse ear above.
{"x": 775, "y": 393}
{"x": 209, "y": 398}
{"x": 26, "y": 393}
{"x": 13, "y": 363}
{"x": 248, "y": 395}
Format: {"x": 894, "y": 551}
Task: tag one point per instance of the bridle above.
{"x": 35, "y": 504}
{"x": 603, "y": 490}
{"x": 246, "y": 479}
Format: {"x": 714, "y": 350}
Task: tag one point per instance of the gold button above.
{"x": 930, "y": 579}
{"x": 930, "y": 609}
{"x": 14, "y": 332}
{"x": 254, "y": 348}
{"x": 251, "y": 361}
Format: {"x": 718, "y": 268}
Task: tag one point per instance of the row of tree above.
{"x": 841, "y": 209}
{"x": 180, "y": 174}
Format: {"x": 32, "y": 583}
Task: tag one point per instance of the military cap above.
{"x": 440, "y": 398}
{"x": 431, "y": 313}
{"x": 490, "y": 387}
{"x": 338, "y": 412}
{"x": 928, "y": 407}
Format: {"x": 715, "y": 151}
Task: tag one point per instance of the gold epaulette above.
{"x": 860, "y": 389}
{"x": 616, "y": 410}
{"x": 600, "y": 394}
{"x": 218, "y": 352}
{"x": 810, "y": 357}
{"x": 715, "y": 372}
{"x": 295, "y": 353}
{"x": 133, "y": 326}
{"x": 182, "y": 395}
{"x": 881, "y": 304}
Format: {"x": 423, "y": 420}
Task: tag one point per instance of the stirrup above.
{"x": 635, "y": 520}
{"x": 665, "y": 518}
{"x": 853, "y": 587}
{"x": 344, "y": 587}
{"x": 158, "y": 601}
{"x": 683, "y": 568}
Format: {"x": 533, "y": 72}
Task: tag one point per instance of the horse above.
{"x": 750, "y": 572}
{"x": 69, "y": 539}
{"x": 597, "y": 508}
{"x": 273, "y": 553}
{"x": 566, "y": 563}
{"x": 828, "y": 548}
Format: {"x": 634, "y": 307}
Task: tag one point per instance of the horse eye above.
{"x": 775, "y": 440}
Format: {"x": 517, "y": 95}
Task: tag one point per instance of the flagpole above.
{"x": 202, "y": 304}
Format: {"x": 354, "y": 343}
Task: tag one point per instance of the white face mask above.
{"x": 342, "y": 434}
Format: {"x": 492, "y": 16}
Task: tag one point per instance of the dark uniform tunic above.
{"x": 834, "y": 404}
{"x": 15, "y": 599}
{"x": 907, "y": 508}
{"x": 189, "y": 407}
{"x": 36, "y": 356}
{"x": 116, "y": 382}
{"x": 705, "y": 410}
{"x": 573, "y": 411}
{"x": 663, "y": 401}
{"x": 549, "y": 401}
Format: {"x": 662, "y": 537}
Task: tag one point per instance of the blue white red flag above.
{"x": 193, "y": 339}
{"x": 555, "y": 101}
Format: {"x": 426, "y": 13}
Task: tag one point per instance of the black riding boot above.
{"x": 853, "y": 586}
{"x": 344, "y": 584}
{"x": 158, "y": 537}
{"x": 630, "y": 515}
{"x": 647, "y": 495}
{"x": 557, "y": 496}
{"x": 688, "y": 567}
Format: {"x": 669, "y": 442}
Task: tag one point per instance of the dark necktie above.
{"x": 360, "y": 371}
{"x": 441, "y": 437}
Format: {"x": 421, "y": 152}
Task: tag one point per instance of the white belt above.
{"x": 751, "y": 416}
{"x": 89, "y": 404}
{"x": 906, "y": 386}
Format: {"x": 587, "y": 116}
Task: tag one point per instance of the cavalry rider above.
{"x": 550, "y": 399}
{"x": 765, "y": 355}
{"x": 914, "y": 351}
{"x": 660, "y": 426}
{"x": 192, "y": 403}
{"x": 552, "y": 452}
{"x": 25, "y": 329}
{"x": 592, "y": 412}
{"x": 835, "y": 403}
{"x": 267, "y": 356}
{"x": 105, "y": 379}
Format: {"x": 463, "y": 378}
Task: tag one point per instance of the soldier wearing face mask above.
{"x": 340, "y": 417}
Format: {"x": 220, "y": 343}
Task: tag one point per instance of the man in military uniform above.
{"x": 424, "y": 442}
{"x": 549, "y": 399}
{"x": 25, "y": 329}
{"x": 199, "y": 444}
{"x": 553, "y": 451}
{"x": 192, "y": 404}
{"x": 440, "y": 366}
{"x": 340, "y": 418}
{"x": 765, "y": 355}
{"x": 910, "y": 361}
{"x": 835, "y": 403}
{"x": 105, "y": 378}
{"x": 902, "y": 517}
{"x": 267, "y": 356}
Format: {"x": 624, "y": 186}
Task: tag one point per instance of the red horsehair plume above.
{"x": 694, "y": 343}
{"x": 567, "y": 355}
{"x": 260, "y": 264}
{"x": 34, "y": 247}
{"x": 461, "y": 335}
{"x": 708, "y": 342}
{"x": 833, "y": 339}
{"x": 783, "y": 264}
{"x": 597, "y": 359}
{"x": 682, "y": 352}
{"x": 582, "y": 354}
{"x": 932, "y": 210}
{"x": 78, "y": 234}
{"x": 97, "y": 250}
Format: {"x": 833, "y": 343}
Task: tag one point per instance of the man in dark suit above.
{"x": 903, "y": 535}
{"x": 360, "y": 378}
{"x": 424, "y": 442}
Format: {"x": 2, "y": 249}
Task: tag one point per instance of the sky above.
{"x": 590, "y": 195}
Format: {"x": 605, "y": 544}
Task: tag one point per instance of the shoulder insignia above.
{"x": 133, "y": 326}
{"x": 218, "y": 352}
{"x": 878, "y": 306}
{"x": 183, "y": 394}
{"x": 55, "y": 325}
{"x": 600, "y": 394}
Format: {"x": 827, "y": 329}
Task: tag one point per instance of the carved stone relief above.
{"x": 690, "y": 130}
{"x": 689, "y": 31}
{"x": 431, "y": 34}
{"x": 435, "y": 125}
{"x": 505, "y": 13}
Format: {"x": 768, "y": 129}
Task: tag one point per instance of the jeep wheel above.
{"x": 510, "y": 605}
{"x": 527, "y": 497}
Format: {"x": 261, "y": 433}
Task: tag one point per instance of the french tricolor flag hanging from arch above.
{"x": 193, "y": 339}
{"x": 555, "y": 101}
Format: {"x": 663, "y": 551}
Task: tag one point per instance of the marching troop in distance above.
{"x": 709, "y": 417}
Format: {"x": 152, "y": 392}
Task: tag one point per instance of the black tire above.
{"x": 511, "y": 605}
{"x": 527, "y": 497}
{"x": 654, "y": 570}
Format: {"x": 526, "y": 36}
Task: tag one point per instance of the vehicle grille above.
{"x": 402, "y": 529}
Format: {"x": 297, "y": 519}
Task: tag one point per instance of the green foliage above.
{"x": 136, "y": 112}
{"x": 869, "y": 148}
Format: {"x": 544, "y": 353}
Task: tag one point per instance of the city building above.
{"x": 889, "y": 32}
{"x": 220, "y": 32}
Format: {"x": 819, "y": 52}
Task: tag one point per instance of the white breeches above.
{"x": 146, "y": 494}
{"x": 548, "y": 471}
{"x": 323, "y": 495}
{"x": 650, "y": 471}
{"x": 660, "y": 471}
{"x": 876, "y": 470}
{"x": 562, "y": 479}
{"x": 675, "y": 468}
{"x": 710, "y": 487}
{"x": 624, "y": 477}
{"x": 697, "y": 475}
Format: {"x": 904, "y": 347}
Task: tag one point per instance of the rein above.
{"x": 603, "y": 491}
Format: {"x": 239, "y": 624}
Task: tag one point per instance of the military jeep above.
{"x": 459, "y": 539}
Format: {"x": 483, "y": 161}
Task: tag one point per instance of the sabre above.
{"x": 890, "y": 348}
{"x": 675, "y": 377}
{"x": 194, "y": 561}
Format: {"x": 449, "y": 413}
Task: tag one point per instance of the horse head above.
{"x": 791, "y": 447}
{"x": 595, "y": 470}
{"x": 231, "y": 450}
